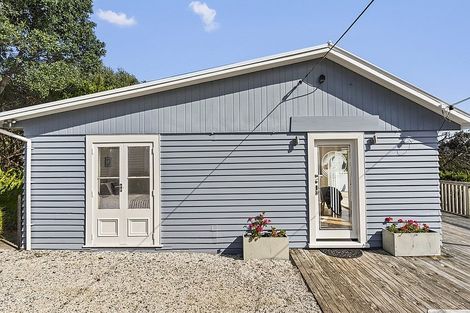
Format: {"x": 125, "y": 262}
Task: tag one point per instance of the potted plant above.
{"x": 259, "y": 242}
{"x": 409, "y": 238}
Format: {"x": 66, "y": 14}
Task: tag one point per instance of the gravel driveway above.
{"x": 64, "y": 281}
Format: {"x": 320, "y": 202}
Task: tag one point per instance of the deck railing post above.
{"x": 467, "y": 206}
{"x": 455, "y": 197}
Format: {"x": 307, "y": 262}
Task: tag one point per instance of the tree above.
{"x": 48, "y": 52}
{"x": 454, "y": 153}
{"x": 44, "y": 47}
{"x": 105, "y": 79}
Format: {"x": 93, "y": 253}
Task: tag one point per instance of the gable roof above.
{"x": 337, "y": 55}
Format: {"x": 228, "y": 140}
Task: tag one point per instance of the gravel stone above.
{"x": 68, "y": 281}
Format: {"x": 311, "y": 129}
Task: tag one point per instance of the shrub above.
{"x": 257, "y": 225}
{"x": 455, "y": 176}
{"x": 11, "y": 185}
{"x": 405, "y": 226}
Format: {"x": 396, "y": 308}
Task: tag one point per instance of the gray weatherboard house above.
{"x": 164, "y": 165}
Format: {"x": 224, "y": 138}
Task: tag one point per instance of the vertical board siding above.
{"x": 402, "y": 180}
{"x": 207, "y": 198}
{"x": 58, "y": 192}
{"x": 238, "y": 104}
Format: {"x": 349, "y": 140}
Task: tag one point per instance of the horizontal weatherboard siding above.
{"x": 402, "y": 180}
{"x": 201, "y": 212}
{"x": 58, "y": 192}
{"x": 264, "y": 173}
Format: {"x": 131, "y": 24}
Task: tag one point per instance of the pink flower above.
{"x": 388, "y": 219}
{"x": 400, "y": 220}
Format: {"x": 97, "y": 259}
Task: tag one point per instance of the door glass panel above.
{"x": 334, "y": 188}
{"x": 139, "y": 177}
{"x": 139, "y": 161}
{"x": 139, "y": 193}
{"x": 109, "y": 161}
{"x": 108, "y": 179}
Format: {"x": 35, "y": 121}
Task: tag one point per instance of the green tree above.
{"x": 45, "y": 46}
{"x": 454, "y": 154}
{"x": 49, "y": 51}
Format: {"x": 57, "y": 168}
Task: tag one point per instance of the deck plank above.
{"x": 378, "y": 282}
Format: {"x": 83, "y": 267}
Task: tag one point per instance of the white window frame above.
{"x": 361, "y": 242}
{"x": 90, "y": 170}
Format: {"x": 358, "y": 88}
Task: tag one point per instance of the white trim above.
{"x": 337, "y": 55}
{"x": 103, "y": 139}
{"x": 165, "y": 84}
{"x": 126, "y": 247}
{"x": 360, "y": 180}
{"x": 27, "y": 185}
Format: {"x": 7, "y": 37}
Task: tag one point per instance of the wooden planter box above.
{"x": 411, "y": 244}
{"x": 266, "y": 248}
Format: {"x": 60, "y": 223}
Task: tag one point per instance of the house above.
{"x": 181, "y": 163}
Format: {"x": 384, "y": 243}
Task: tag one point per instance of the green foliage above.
{"x": 11, "y": 185}
{"x": 104, "y": 79}
{"x": 405, "y": 226}
{"x": 455, "y": 176}
{"x": 454, "y": 153}
{"x": 49, "y": 52}
{"x": 45, "y": 46}
{"x": 11, "y": 152}
{"x": 257, "y": 228}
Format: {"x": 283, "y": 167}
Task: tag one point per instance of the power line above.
{"x": 283, "y": 99}
{"x": 327, "y": 52}
{"x": 450, "y": 107}
{"x": 456, "y": 153}
{"x": 459, "y": 102}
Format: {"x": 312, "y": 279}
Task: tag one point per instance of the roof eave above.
{"x": 337, "y": 55}
{"x": 165, "y": 84}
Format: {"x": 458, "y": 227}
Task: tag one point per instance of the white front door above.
{"x": 336, "y": 189}
{"x": 123, "y": 190}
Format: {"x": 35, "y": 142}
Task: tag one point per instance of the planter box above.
{"x": 266, "y": 248}
{"x": 411, "y": 244}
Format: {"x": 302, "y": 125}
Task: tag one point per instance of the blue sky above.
{"x": 424, "y": 42}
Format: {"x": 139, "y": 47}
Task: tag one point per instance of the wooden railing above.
{"x": 455, "y": 197}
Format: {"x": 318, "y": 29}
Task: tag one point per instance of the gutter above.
{"x": 27, "y": 183}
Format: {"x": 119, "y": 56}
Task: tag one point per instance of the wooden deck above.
{"x": 378, "y": 282}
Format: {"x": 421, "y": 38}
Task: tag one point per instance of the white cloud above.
{"x": 117, "y": 18}
{"x": 206, "y": 14}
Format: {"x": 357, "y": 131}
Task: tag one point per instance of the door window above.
{"x": 139, "y": 177}
{"x": 335, "y": 209}
{"x": 108, "y": 178}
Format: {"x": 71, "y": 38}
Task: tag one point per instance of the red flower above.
{"x": 388, "y": 219}
{"x": 400, "y": 220}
